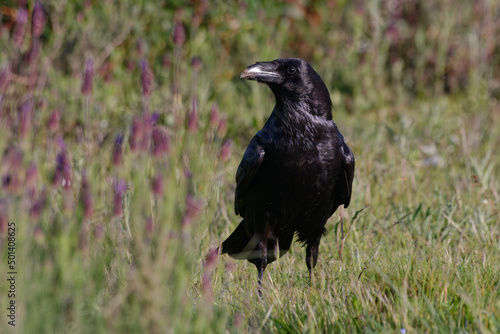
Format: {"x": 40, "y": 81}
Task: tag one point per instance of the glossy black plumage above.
{"x": 296, "y": 171}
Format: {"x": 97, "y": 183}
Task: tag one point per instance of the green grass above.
{"x": 419, "y": 249}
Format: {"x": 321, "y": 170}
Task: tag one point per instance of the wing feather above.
{"x": 248, "y": 168}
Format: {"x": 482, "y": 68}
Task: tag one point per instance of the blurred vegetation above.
{"x": 122, "y": 124}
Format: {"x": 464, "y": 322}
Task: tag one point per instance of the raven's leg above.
{"x": 312, "y": 255}
{"x": 261, "y": 264}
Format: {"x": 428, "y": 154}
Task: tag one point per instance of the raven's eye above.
{"x": 291, "y": 70}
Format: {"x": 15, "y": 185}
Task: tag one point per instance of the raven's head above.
{"x": 292, "y": 80}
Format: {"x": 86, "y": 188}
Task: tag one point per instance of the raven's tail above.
{"x": 239, "y": 245}
{"x": 242, "y": 245}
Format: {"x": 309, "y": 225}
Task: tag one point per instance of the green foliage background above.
{"x": 415, "y": 87}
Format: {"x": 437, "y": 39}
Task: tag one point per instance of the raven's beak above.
{"x": 262, "y": 72}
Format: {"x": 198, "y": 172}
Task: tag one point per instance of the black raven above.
{"x": 296, "y": 171}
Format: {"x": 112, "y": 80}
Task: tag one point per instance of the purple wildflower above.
{"x": 222, "y": 128}
{"x": 38, "y": 20}
{"x": 225, "y": 149}
{"x": 157, "y": 185}
{"x": 86, "y": 197}
{"x": 167, "y": 62}
{"x": 11, "y": 161}
{"x": 25, "y": 116}
{"x": 148, "y": 121}
{"x": 118, "y": 151}
{"x": 32, "y": 54}
{"x": 196, "y": 63}
{"x": 62, "y": 175}
{"x": 147, "y": 78}
{"x": 214, "y": 115}
{"x": 4, "y": 78}
{"x": 88, "y": 77}
{"x": 150, "y": 225}
{"x": 193, "y": 209}
{"x": 141, "y": 130}
{"x": 3, "y": 217}
{"x": 135, "y": 134}
{"x": 211, "y": 259}
{"x": 19, "y": 31}
{"x": 193, "y": 116}
{"x": 39, "y": 235}
{"x": 30, "y": 182}
{"x": 99, "y": 232}
{"x": 188, "y": 174}
{"x": 31, "y": 176}
{"x": 120, "y": 187}
{"x": 140, "y": 47}
{"x": 53, "y": 122}
{"x": 155, "y": 116}
{"x": 179, "y": 34}
{"x": 130, "y": 65}
{"x": 37, "y": 208}
{"x": 160, "y": 142}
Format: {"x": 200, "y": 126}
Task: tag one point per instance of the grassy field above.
{"x": 122, "y": 125}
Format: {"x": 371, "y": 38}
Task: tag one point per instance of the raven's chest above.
{"x": 302, "y": 167}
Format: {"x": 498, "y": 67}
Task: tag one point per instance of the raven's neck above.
{"x": 297, "y": 122}
{"x": 296, "y": 111}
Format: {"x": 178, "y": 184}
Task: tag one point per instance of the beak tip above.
{"x": 244, "y": 74}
